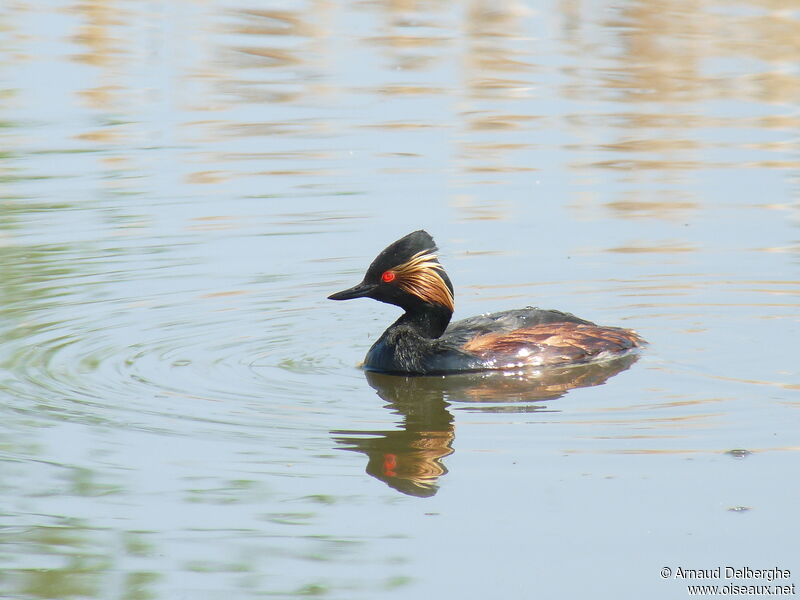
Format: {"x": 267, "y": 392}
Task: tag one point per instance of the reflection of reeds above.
{"x": 665, "y": 63}
{"x": 653, "y": 66}
{"x": 266, "y": 57}
{"x": 273, "y": 23}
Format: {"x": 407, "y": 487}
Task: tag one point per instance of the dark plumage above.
{"x": 408, "y": 274}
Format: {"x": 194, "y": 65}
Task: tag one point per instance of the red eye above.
{"x": 388, "y": 276}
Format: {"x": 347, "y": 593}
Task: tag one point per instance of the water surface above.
{"x": 184, "y": 183}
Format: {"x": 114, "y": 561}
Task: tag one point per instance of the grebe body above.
{"x": 423, "y": 341}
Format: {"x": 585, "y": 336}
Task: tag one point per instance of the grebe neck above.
{"x": 429, "y": 321}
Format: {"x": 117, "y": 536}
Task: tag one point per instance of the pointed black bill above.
{"x": 357, "y": 291}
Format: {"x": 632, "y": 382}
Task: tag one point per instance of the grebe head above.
{"x": 407, "y": 274}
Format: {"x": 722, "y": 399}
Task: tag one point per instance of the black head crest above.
{"x": 404, "y": 273}
{"x": 401, "y": 251}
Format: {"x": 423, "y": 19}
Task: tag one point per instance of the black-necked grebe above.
{"x": 408, "y": 274}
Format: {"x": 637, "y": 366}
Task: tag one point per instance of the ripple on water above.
{"x": 152, "y": 369}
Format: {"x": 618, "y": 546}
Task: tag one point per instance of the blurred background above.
{"x": 182, "y": 183}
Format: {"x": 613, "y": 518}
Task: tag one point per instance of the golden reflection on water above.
{"x": 644, "y": 75}
{"x": 672, "y": 59}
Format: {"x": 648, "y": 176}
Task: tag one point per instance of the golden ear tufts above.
{"x": 421, "y": 276}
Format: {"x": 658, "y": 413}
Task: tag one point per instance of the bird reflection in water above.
{"x": 410, "y": 459}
